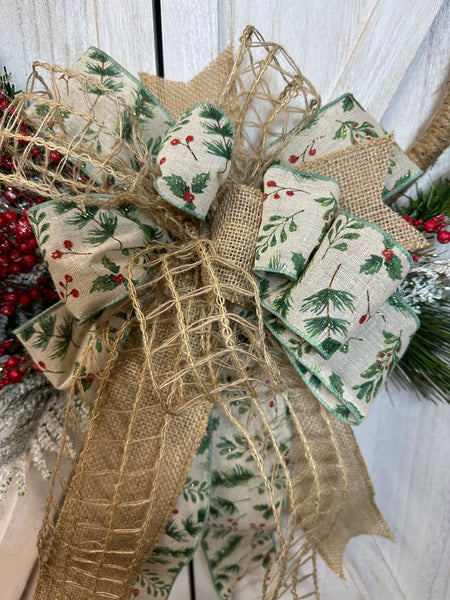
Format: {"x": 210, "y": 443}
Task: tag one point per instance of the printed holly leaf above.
{"x": 330, "y": 345}
{"x": 372, "y": 265}
{"x": 394, "y": 267}
{"x": 348, "y": 104}
{"x": 177, "y": 185}
{"x": 299, "y": 262}
{"x": 110, "y": 265}
{"x": 337, "y": 383}
{"x": 103, "y": 283}
{"x": 199, "y": 183}
{"x": 315, "y": 382}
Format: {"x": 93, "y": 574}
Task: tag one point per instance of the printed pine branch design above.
{"x": 323, "y": 301}
{"x": 106, "y": 223}
{"x": 106, "y": 70}
{"x": 141, "y": 110}
{"x": 219, "y": 126}
{"x": 49, "y": 331}
{"x": 277, "y": 224}
{"x": 343, "y": 229}
{"x": 386, "y": 360}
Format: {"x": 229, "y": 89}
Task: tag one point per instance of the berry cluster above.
{"x": 436, "y": 224}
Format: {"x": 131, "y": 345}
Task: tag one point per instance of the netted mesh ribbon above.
{"x": 184, "y": 345}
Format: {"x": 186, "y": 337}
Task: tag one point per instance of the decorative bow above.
{"x": 146, "y": 326}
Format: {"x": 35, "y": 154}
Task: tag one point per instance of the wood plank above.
{"x": 320, "y": 36}
{"x": 191, "y": 37}
{"x": 385, "y": 50}
{"x": 59, "y": 32}
{"x": 421, "y": 90}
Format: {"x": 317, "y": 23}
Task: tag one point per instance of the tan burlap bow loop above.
{"x": 163, "y": 316}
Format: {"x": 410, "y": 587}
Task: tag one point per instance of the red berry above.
{"x": 15, "y": 376}
{"x": 12, "y": 362}
{"x": 175, "y": 142}
{"x": 56, "y": 254}
{"x": 175, "y": 511}
{"x": 189, "y": 139}
{"x": 289, "y": 193}
{"x": 430, "y": 226}
{"x": 24, "y": 299}
{"x": 440, "y": 218}
{"x": 362, "y": 319}
{"x": 271, "y": 183}
{"x": 35, "y": 293}
{"x": 28, "y": 262}
{"x": 276, "y": 196}
{"x": 15, "y": 269}
{"x": 415, "y": 257}
{"x": 4, "y": 262}
{"x": 68, "y": 244}
{"x": 162, "y": 161}
{"x": 7, "y": 309}
{"x": 15, "y": 256}
{"x": 90, "y": 377}
{"x": 3, "y": 221}
{"x": 443, "y": 236}
{"x": 75, "y": 293}
{"x": 12, "y": 297}
{"x": 55, "y": 157}
{"x": 10, "y": 216}
{"x": 293, "y": 159}
{"x": 68, "y": 278}
{"x": 41, "y": 363}
{"x": 312, "y": 151}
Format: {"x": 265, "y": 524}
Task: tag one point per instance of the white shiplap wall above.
{"x": 394, "y": 55}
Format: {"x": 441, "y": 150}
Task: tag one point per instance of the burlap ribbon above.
{"x": 176, "y": 346}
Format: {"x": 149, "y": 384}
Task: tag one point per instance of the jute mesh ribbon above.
{"x": 165, "y": 365}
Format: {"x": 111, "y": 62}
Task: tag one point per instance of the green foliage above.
{"x": 171, "y": 529}
{"x": 47, "y": 323}
{"x": 427, "y": 204}
{"x": 323, "y": 299}
{"x": 110, "y": 265}
{"x": 353, "y": 128}
{"x": 103, "y": 283}
{"x": 425, "y": 366}
{"x": 337, "y": 383}
{"x": 228, "y": 548}
{"x": 63, "y": 337}
{"x": 299, "y": 262}
{"x": 340, "y": 231}
{"x": 317, "y": 325}
{"x": 6, "y": 85}
{"x": 283, "y": 300}
{"x": 220, "y": 148}
{"x": 80, "y": 219}
{"x": 276, "y": 225}
{"x": 105, "y": 230}
{"x": 227, "y": 505}
{"x": 199, "y": 182}
{"x": 348, "y": 103}
{"x": 177, "y": 185}
{"x": 106, "y": 70}
{"x": 232, "y": 477}
{"x": 371, "y": 265}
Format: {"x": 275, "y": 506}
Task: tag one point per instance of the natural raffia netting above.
{"x": 182, "y": 333}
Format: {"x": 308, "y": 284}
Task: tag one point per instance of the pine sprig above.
{"x": 426, "y": 205}
{"x": 425, "y": 366}
{"x": 8, "y": 88}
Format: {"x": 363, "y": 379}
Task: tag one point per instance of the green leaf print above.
{"x": 63, "y": 338}
{"x": 106, "y": 70}
{"x": 227, "y": 549}
{"x": 277, "y": 224}
{"x": 299, "y": 262}
{"x": 171, "y": 529}
{"x": 220, "y": 126}
{"x": 232, "y": 477}
{"x": 199, "y": 182}
{"x": 110, "y": 265}
{"x": 177, "y": 185}
{"x": 47, "y": 324}
{"x": 348, "y": 103}
{"x": 372, "y": 265}
{"x": 378, "y": 371}
{"x": 343, "y": 229}
{"x": 357, "y": 132}
{"x": 107, "y": 224}
{"x": 337, "y": 383}
{"x": 283, "y": 301}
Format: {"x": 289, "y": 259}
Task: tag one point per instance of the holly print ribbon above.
{"x": 336, "y": 316}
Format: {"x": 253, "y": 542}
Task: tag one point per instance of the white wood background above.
{"x": 394, "y": 56}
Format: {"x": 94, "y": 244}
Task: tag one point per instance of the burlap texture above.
{"x": 234, "y": 231}
{"x": 361, "y": 171}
